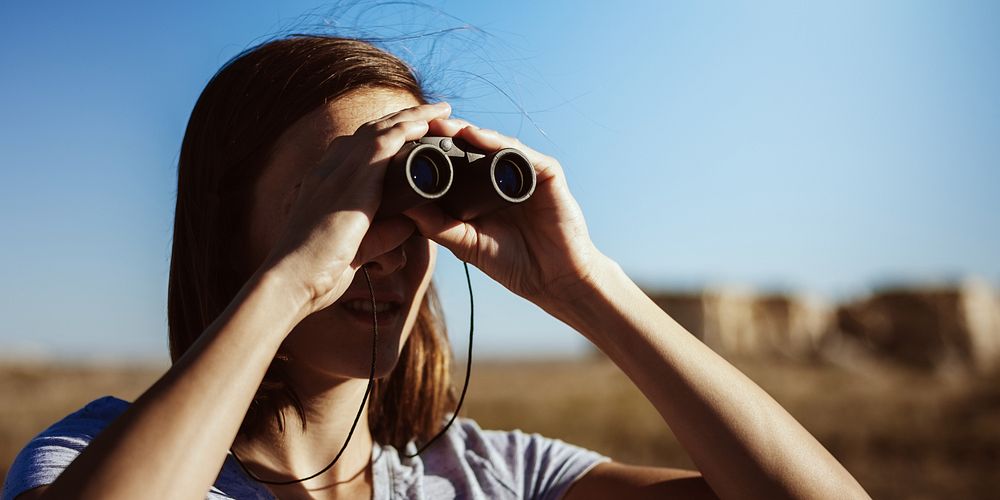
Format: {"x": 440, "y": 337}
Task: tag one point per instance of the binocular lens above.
{"x": 424, "y": 173}
{"x": 464, "y": 181}
{"x": 509, "y": 178}
{"x": 428, "y": 173}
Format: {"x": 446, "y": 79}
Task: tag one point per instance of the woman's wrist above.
{"x": 284, "y": 285}
{"x": 592, "y": 292}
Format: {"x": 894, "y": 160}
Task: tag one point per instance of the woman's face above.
{"x": 337, "y": 341}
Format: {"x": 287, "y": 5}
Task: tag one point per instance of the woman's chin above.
{"x": 329, "y": 368}
{"x": 337, "y": 342}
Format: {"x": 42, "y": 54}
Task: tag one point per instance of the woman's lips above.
{"x": 356, "y": 303}
{"x": 360, "y": 310}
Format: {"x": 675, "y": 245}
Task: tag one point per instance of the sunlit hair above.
{"x": 238, "y": 118}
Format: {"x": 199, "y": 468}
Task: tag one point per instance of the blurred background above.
{"x": 812, "y": 190}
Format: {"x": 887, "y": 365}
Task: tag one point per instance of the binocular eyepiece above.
{"x": 464, "y": 181}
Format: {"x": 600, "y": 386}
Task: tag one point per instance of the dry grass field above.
{"x": 904, "y": 435}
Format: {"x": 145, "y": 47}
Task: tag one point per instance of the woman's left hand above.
{"x": 539, "y": 249}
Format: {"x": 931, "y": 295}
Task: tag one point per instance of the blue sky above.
{"x": 825, "y": 147}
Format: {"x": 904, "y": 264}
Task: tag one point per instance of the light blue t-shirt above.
{"x": 467, "y": 462}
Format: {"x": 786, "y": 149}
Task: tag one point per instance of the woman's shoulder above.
{"x": 93, "y": 416}
{"x": 515, "y": 447}
{"x": 470, "y": 462}
{"x": 76, "y": 430}
{"x": 51, "y": 451}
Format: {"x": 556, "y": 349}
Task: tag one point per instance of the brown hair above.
{"x": 239, "y": 116}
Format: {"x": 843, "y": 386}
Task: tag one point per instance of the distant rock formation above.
{"x": 923, "y": 327}
{"x": 928, "y": 327}
{"x": 735, "y": 321}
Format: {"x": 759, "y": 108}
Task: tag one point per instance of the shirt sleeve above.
{"x": 544, "y": 467}
{"x": 45, "y": 457}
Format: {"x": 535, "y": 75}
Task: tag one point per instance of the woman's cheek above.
{"x": 421, "y": 255}
{"x": 421, "y": 268}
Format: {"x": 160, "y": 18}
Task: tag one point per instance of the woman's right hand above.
{"x": 329, "y": 232}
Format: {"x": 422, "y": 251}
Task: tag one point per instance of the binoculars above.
{"x": 463, "y": 181}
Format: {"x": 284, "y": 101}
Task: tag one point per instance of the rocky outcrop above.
{"x": 928, "y": 327}
{"x": 735, "y": 321}
{"x": 922, "y": 327}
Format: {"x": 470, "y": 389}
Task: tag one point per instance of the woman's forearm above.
{"x": 172, "y": 442}
{"x": 743, "y": 442}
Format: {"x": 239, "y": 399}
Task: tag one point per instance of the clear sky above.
{"x": 823, "y": 147}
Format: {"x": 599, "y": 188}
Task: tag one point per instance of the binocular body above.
{"x": 463, "y": 181}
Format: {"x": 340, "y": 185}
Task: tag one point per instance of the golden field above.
{"x": 903, "y": 434}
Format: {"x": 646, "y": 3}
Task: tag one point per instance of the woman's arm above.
{"x": 172, "y": 442}
{"x": 742, "y": 441}
{"x": 745, "y": 443}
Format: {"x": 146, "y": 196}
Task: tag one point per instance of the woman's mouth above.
{"x": 361, "y": 310}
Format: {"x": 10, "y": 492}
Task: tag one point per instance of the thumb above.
{"x": 383, "y": 236}
{"x": 453, "y": 234}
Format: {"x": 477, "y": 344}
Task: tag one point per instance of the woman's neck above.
{"x": 296, "y": 452}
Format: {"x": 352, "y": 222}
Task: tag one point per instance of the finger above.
{"x": 383, "y": 236}
{"x": 453, "y": 234}
{"x": 447, "y": 127}
{"x": 394, "y": 137}
{"x": 491, "y": 140}
{"x": 488, "y": 140}
{"x": 365, "y": 164}
{"x": 423, "y": 112}
{"x": 387, "y": 143}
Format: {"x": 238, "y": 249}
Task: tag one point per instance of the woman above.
{"x": 280, "y": 177}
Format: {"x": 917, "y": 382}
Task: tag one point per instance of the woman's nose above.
{"x": 387, "y": 263}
